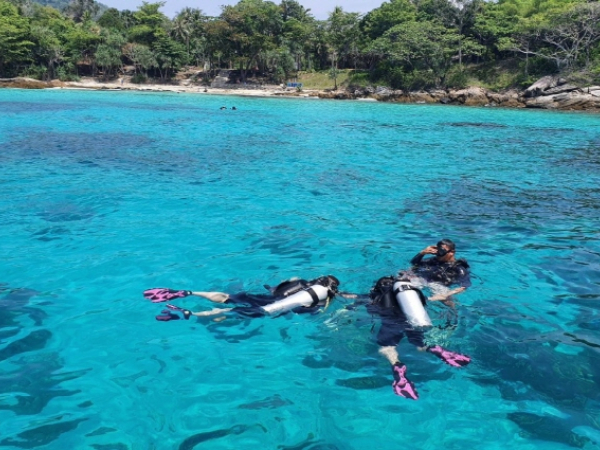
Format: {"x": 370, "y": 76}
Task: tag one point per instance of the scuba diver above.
{"x": 400, "y": 305}
{"x": 439, "y": 272}
{"x": 296, "y": 295}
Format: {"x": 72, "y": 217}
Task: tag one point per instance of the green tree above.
{"x": 254, "y": 26}
{"x": 389, "y": 14}
{"x": 343, "y": 35}
{"x": 81, "y": 43}
{"x": 216, "y": 40}
{"x": 78, "y": 9}
{"x": 109, "y": 52}
{"x": 15, "y": 45}
{"x": 48, "y": 30}
{"x": 422, "y": 45}
{"x": 187, "y": 27}
{"x": 148, "y": 20}
{"x": 297, "y": 36}
{"x": 48, "y": 50}
{"x": 141, "y": 56}
{"x": 168, "y": 53}
{"x": 111, "y": 18}
{"x": 291, "y": 9}
{"x": 566, "y": 34}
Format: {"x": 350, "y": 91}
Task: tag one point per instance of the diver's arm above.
{"x": 359, "y": 300}
{"x": 443, "y": 297}
{"x": 431, "y": 250}
{"x": 417, "y": 259}
{"x": 464, "y": 281}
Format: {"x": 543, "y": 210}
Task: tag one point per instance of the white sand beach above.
{"x": 117, "y": 85}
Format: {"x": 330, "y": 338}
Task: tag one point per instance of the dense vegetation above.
{"x": 403, "y": 43}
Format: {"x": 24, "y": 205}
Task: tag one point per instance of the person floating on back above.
{"x": 296, "y": 295}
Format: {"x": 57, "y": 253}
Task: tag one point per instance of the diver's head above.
{"x": 330, "y": 282}
{"x": 445, "y": 250}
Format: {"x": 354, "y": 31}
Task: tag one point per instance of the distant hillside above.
{"x": 61, "y": 4}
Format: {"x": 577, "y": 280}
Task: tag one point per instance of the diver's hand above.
{"x": 445, "y": 299}
{"x": 442, "y": 297}
{"x": 431, "y": 250}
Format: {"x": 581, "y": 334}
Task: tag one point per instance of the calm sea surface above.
{"x": 105, "y": 194}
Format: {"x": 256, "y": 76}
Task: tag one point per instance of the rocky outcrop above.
{"x": 552, "y": 92}
{"x": 508, "y": 99}
{"x": 556, "y": 93}
{"x": 26, "y": 83}
{"x": 337, "y": 95}
{"x": 577, "y": 100}
{"x": 473, "y": 96}
{"x": 548, "y": 93}
{"x": 542, "y": 85}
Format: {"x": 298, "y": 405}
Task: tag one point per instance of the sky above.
{"x": 320, "y": 9}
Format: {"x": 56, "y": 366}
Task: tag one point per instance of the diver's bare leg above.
{"x": 217, "y": 297}
{"x": 390, "y": 353}
{"x": 212, "y": 312}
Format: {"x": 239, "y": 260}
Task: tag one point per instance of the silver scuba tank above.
{"x": 315, "y": 294}
{"x": 410, "y": 303}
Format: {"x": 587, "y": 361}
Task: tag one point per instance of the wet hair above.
{"x": 447, "y": 243}
{"x": 333, "y": 281}
{"x": 329, "y": 281}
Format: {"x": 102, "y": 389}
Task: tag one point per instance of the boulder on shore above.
{"x": 542, "y": 85}
{"x": 555, "y": 93}
{"x": 26, "y": 83}
{"x": 473, "y": 96}
{"x": 575, "y": 101}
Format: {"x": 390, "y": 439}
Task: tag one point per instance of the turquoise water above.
{"x": 106, "y": 194}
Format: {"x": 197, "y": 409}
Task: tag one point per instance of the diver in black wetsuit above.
{"x": 252, "y": 305}
{"x": 442, "y": 269}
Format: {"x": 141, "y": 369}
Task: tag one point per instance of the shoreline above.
{"x": 547, "y": 93}
{"x": 266, "y": 91}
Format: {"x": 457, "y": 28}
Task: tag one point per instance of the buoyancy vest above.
{"x": 393, "y": 294}
{"x": 383, "y": 294}
{"x": 445, "y": 273}
{"x": 290, "y": 287}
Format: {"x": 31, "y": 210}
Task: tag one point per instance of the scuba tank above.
{"x": 310, "y": 296}
{"x": 412, "y": 303}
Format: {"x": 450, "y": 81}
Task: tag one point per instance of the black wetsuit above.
{"x": 251, "y": 304}
{"x": 394, "y": 324}
{"x": 446, "y": 273}
{"x": 393, "y": 321}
